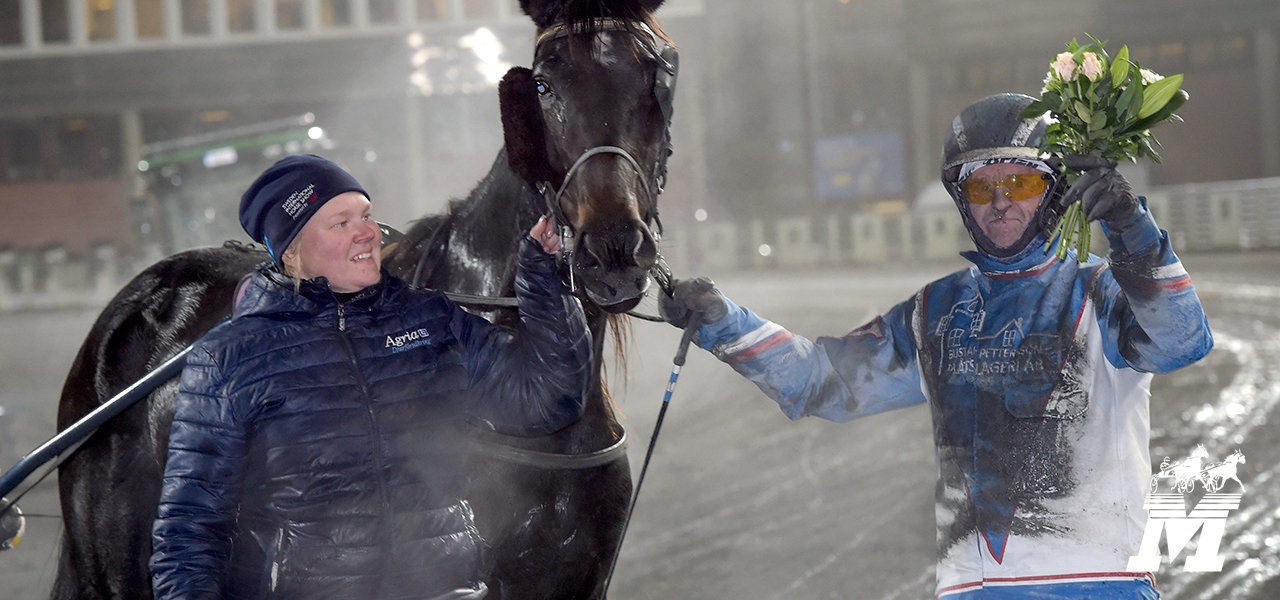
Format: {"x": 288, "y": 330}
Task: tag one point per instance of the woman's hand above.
{"x": 544, "y": 231}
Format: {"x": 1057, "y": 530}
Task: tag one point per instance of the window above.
{"x": 288, "y": 15}
{"x": 382, "y": 11}
{"x": 478, "y": 9}
{"x": 433, "y": 10}
{"x": 101, "y": 19}
{"x": 54, "y": 21}
{"x": 335, "y": 13}
{"x": 74, "y": 147}
{"x": 241, "y": 16}
{"x": 150, "y": 18}
{"x": 195, "y": 17}
{"x": 24, "y": 153}
{"x": 10, "y": 23}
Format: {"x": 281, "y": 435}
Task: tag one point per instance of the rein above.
{"x": 553, "y": 460}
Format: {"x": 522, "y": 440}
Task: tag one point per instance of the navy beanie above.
{"x": 285, "y": 196}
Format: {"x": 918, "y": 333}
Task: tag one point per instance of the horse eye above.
{"x": 542, "y": 87}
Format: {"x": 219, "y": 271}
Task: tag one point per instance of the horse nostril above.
{"x": 646, "y": 252}
{"x": 623, "y": 246}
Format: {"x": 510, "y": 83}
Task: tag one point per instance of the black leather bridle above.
{"x": 664, "y": 83}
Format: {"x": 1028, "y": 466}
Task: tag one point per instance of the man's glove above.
{"x": 1102, "y": 191}
{"x": 692, "y": 296}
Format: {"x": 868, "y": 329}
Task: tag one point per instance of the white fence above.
{"x": 1229, "y": 216}
{"x": 49, "y": 278}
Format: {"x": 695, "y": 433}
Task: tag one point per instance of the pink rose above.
{"x": 1064, "y": 66}
{"x": 1092, "y": 66}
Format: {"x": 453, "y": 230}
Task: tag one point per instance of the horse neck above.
{"x": 484, "y": 232}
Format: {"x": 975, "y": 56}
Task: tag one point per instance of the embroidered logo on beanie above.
{"x": 284, "y": 197}
{"x": 299, "y": 200}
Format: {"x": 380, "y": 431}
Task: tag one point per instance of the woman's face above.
{"x": 340, "y": 242}
{"x": 1008, "y": 206}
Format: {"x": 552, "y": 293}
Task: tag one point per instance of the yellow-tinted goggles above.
{"x": 1022, "y": 186}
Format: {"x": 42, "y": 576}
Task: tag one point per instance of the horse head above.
{"x": 588, "y": 127}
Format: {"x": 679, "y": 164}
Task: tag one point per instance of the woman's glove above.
{"x": 1102, "y": 191}
{"x": 689, "y": 297}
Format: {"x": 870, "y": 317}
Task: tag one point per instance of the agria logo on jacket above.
{"x": 407, "y": 340}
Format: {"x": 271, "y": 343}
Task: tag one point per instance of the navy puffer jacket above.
{"x": 318, "y": 450}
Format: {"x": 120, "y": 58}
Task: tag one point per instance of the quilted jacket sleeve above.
{"x": 532, "y": 381}
{"x": 201, "y": 487}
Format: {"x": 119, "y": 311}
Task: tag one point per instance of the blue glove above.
{"x": 691, "y": 297}
{"x": 1102, "y": 191}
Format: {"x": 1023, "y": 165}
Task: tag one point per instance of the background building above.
{"x": 128, "y": 127}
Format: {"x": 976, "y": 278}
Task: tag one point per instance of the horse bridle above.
{"x": 664, "y": 83}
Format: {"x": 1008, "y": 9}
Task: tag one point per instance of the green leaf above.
{"x": 1179, "y": 98}
{"x": 1158, "y": 94}
{"x": 1151, "y": 152}
{"x": 1135, "y": 102}
{"x": 1125, "y": 107}
{"x": 1097, "y": 120}
{"x": 1085, "y": 114}
{"x": 1102, "y": 88}
{"x": 1120, "y": 65}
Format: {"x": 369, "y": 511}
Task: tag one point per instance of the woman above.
{"x": 316, "y": 448}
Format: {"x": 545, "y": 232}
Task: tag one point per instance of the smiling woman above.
{"x": 314, "y": 451}
{"x": 341, "y": 243}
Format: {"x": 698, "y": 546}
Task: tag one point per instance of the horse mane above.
{"x": 582, "y": 16}
{"x": 428, "y": 237}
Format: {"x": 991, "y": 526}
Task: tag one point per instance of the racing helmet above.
{"x": 993, "y": 129}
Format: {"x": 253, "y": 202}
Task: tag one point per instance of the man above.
{"x": 1036, "y": 370}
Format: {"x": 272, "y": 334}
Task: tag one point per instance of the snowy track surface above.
{"x": 740, "y": 502}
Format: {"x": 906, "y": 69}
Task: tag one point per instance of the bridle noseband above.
{"x": 664, "y": 92}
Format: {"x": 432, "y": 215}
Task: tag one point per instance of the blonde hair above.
{"x": 291, "y": 270}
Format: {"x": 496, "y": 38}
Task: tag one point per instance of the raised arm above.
{"x": 1148, "y": 310}
{"x": 532, "y": 381}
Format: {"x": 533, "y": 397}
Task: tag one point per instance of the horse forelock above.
{"x": 579, "y": 13}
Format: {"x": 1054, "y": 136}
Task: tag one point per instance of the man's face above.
{"x": 1003, "y": 199}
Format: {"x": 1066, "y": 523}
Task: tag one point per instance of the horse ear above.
{"x": 523, "y": 131}
{"x": 651, "y": 5}
{"x": 542, "y": 12}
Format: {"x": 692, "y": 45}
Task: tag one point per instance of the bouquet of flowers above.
{"x": 1103, "y": 106}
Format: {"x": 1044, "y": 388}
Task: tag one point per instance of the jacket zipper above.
{"x": 372, "y": 414}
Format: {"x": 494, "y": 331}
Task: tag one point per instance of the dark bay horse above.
{"x": 586, "y": 138}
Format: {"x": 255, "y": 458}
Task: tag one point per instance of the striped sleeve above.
{"x": 872, "y": 369}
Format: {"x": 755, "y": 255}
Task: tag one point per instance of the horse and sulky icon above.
{"x": 1171, "y": 514}
{"x": 1185, "y": 473}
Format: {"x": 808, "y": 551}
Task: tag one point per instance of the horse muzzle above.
{"x": 612, "y": 265}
